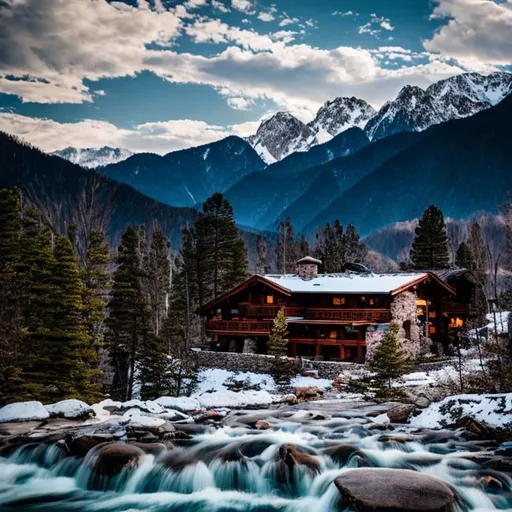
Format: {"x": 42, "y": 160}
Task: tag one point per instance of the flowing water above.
{"x": 238, "y": 468}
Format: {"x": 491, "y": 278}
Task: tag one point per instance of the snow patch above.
{"x": 70, "y": 409}
{"x": 23, "y": 411}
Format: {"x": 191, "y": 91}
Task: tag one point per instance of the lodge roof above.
{"x": 351, "y": 282}
{"x": 345, "y": 283}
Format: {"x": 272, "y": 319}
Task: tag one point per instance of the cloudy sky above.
{"x": 159, "y": 75}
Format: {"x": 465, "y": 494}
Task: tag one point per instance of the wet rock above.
{"x": 79, "y": 445}
{"x": 177, "y": 460}
{"x": 262, "y": 425}
{"x": 19, "y": 429}
{"x": 148, "y": 438}
{"x": 378, "y": 426}
{"x": 396, "y": 438}
{"x": 292, "y": 455}
{"x": 500, "y": 464}
{"x": 111, "y": 459}
{"x": 422, "y": 401}
{"x": 156, "y": 449}
{"x": 490, "y": 482}
{"x": 384, "y": 490}
{"x": 400, "y": 413}
{"x": 290, "y": 399}
{"x": 308, "y": 392}
{"x": 342, "y": 453}
{"x": 254, "y": 448}
{"x": 311, "y": 373}
{"x": 478, "y": 428}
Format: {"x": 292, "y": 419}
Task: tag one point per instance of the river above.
{"x": 238, "y": 468}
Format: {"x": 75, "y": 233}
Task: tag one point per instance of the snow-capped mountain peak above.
{"x": 339, "y": 115}
{"x": 94, "y": 157}
{"x": 280, "y": 135}
{"x": 415, "y": 109}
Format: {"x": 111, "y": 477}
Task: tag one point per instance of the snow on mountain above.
{"x": 339, "y": 115}
{"x": 94, "y": 157}
{"x": 456, "y": 97}
{"x": 281, "y": 135}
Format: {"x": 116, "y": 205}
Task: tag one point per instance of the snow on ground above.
{"x": 494, "y": 410}
{"x": 23, "y": 411}
{"x": 215, "y": 379}
{"x": 180, "y": 403}
{"x": 304, "y": 382}
{"x": 137, "y": 418}
{"x": 69, "y": 409}
{"x": 235, "y": 399}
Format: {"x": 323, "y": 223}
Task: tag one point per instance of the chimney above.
{"x": 307, "y": 268}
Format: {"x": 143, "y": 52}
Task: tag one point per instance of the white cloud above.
{"x": 195, "y": 4}
{"x": 246, "y": 6}
{"x": 478, "y": 33}
{"x": 376, "y": 25}
{"x": 239, "y": 103}
{"x": 158, "y": 137}
{"x": 346, "y": 13}
{"x": 220, "y": 6}
{"x": 266, "y": 16}
{"x": 288, "y": 21}
{"x": 61, "y": 42}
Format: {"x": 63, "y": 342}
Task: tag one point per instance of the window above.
{"x": 270, "y": 299}
{"x": 338, "y": 301}
{"x": 218, "y": 316}
{"x": 371, "y": 302}
{"x": 333, "y": 335}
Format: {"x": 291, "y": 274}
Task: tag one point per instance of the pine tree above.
{"x": 221, "y": 256}
{"x": 158, "y": 278}
{"x": 303, "y": 247}
{"x": 262, "y": 265}
{"x": 388, "y": 362}
{"x": 11, "y": 321}
{"x": 464, "y": 257}
{"x": 128, "y": 324}
{"x": 278, "y": 343}
{"x": 430, "y": 245}
{"x": 287, "y": 251}
{"x": 154, "y": 369}
{"x": 337, "y": 246}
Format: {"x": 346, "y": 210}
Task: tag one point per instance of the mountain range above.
{"x": 446, "y": 145}
{"x": 91, "y": 158}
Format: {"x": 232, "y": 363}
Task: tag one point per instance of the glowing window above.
{"x": 333, "y": 334}
{"x": 371, "y": 302}
{"x": 270, "y": 299}
{"x": 338, "y": 301}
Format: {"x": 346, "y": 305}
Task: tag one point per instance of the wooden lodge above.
{"x": 335, "y": 316}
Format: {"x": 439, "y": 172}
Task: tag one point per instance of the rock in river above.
{"x": 111, "y": 459}
{"x": 400, "y": 490}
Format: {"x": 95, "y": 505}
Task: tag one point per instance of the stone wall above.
{"x": 403, "y": 312}
{"x": 259, "y": 363}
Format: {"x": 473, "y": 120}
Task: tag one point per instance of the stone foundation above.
{"x": 260, "y": 363}
{"x": 403, "y": 313}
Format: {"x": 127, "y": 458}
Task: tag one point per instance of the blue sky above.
{"x": 159, "y": 75}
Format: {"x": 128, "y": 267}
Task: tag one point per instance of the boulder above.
{"x": 308, "y": 392}
{"x": 292, "y": 455}
{"x": 311, "y": 373}
{"x": 79, "y": 445}
{"x": 289, "y": 399}
{"x": 70, "y": 409}
{"x": 19, "y": 429}
{"x": 342, "y": 453}
{"x": 111, "y": 459}
{"x": 176, "y": 460}
{"x": 400, "y": 490}
{"x": 478, "y": 428}
{"x": 262, "y": 425}
{"x": 400, "y": 413}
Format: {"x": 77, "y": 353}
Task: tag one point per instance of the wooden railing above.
{"x": 266, "y": 311}
{"x": 349, "y": 315}
{"x": 294, "y": 311}
{"x": 457, "y": 309}
{"x": 239, "y": 326}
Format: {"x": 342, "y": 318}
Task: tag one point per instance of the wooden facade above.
{"x": 329, "y": 324}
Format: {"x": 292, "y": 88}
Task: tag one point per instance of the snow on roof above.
{"x": 346, "y": 283}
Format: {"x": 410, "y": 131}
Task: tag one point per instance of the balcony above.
{"x": 239, "y": 327}
{"x": 259, "y": 310}
{"x": 452, "y": 308}
{"x": 349, "y": 315}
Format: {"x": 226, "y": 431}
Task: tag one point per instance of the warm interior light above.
{"x": 270, "y": 299}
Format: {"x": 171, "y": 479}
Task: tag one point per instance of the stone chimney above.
{"x": 307, "y": 268}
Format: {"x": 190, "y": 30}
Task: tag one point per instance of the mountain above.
{"x": 94, "y": 157}
{"x": 340, "y": 114}
{"x": 58, "y": 186}
{"x": 456, "y": 97}
{"x": 262, "y": 198}
{"x": 281, "y": 135}
{"x": 344, "y": 144}
{"x": 189, "y": 176}
{"x": 462, "y": 166}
